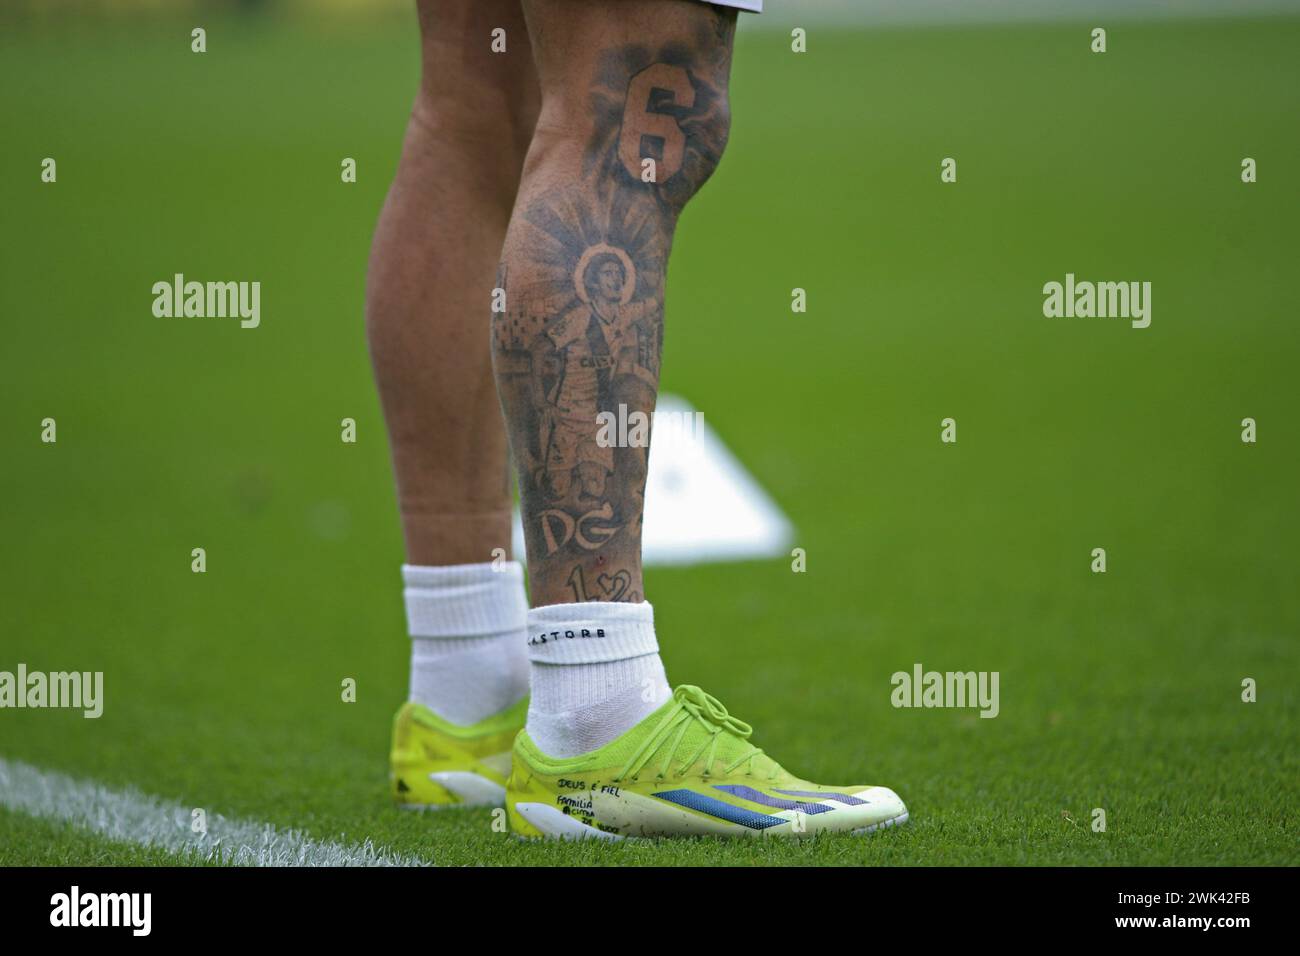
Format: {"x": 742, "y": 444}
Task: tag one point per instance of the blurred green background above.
{"x": 1119, "y": 691}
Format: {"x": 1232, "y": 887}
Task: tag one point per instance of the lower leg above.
{"x": 631, "y": 90}
{"x": 430, "y": 279}
{"x": 634, "y": 119}
{"x": 428, "y": 294}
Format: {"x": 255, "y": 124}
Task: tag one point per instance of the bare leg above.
{"x": 429, "y": 290}
{"x": 634, "y": 120}
{"x": 431, "y": 274}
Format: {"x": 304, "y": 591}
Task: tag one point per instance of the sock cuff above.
{"x": 591, "y": 633}
{"x": 464, "y": 600}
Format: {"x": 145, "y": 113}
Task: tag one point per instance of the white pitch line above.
{"x": 134, "y": 817}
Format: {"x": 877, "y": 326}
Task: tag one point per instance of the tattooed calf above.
{"x": 582, "y": 333}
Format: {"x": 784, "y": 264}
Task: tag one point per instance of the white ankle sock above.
{"x": 466, "y": 623}
{"x": 596, "y": 674}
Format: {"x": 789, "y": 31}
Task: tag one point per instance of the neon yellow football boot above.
{"x": 436, "y": 764}
{"x": 688, "y": 769}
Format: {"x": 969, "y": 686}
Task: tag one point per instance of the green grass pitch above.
{"x": 1119, "y": 691}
